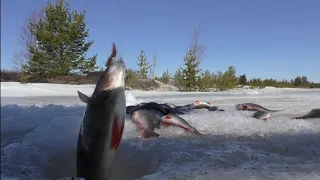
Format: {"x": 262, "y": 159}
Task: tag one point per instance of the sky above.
{"x": 266, "y": 39}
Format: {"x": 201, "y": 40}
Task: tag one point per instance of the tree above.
{"x": 192, "y": 61}
{"x": 178, "y": 78}
{"x": 206, "y": 80}
{"x": 196, "y": 47}
{"x": 229, "y": 78}
{"x": 297, "y": 81}
{"x": 243, "y": 80}
{"x": 143, "y": 64}
{"x": 190, "y": 72}
{"x": 219, "y": 80}
{"x": 27, "y": 40}
{"x": 165, "y": 78}
{"x": 304, "y": 81}
{"x": 61, "y": 47}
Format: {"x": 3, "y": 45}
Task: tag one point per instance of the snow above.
{"x": 40, "y": 125}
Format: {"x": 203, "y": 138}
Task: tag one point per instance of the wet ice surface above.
{"x": 40, "y": 142}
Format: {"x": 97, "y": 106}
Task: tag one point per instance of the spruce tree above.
{"x": 165, "y": 78}
{"x": 229, "y": 78}
{"x": 178, "y": 78}
{"x": 61, "y": 47}
{"x": 207, "y": 80}
{"x": 143, "y": 64}
{"x": 191, "y": 70}
{"x": 243, "y": 80}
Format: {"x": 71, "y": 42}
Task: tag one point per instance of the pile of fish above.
{"x": 150, "y": 115}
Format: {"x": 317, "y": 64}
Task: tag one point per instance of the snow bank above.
{"x": 15, "y": 89}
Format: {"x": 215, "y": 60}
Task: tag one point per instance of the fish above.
{"x": 103, "y": 122}
{"x": 201, "y": 105}
{"x": 175, "y": 120}
{"x": 147, "y": 120}
{"x": 314, "y": 113}
{"x": 253, "y": 107}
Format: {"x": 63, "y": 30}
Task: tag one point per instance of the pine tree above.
{"x": 243, "y": 80}
{"x": 297, "y": 81}
{"x": 190, "y": 72}
{"x": 178, "y": 78}
{"x": 143, "y": 64}
{"x": 304, "y": 81}
{"x": 207, "y": 80}
{"x": 229, "y": 78}
{"x": 61, "y": 47}
{"x": 219, "y": 81}
{"x": 165, "y": 78}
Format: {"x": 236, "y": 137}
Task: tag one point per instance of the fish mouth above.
{"x": 113, "y": 77}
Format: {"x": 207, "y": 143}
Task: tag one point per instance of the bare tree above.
{"x": 197, "y": 48}
{"x": 154, "y": 63}
{"x": 26, "y": 40}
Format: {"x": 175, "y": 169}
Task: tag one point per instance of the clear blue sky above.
{"x": 267, "y": 39}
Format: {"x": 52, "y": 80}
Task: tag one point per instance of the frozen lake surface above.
{"x": 40, "y": 125}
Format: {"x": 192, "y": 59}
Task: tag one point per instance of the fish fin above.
{"x": 84, "y": 98}
{"x": 149, "y": 134}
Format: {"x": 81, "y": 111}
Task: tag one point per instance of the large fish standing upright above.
{"x": 103, "y": 122}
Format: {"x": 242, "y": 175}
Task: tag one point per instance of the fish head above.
{"x": 196, "y": 102}
{"x": 135, "y": 116}
{"x": 146, "y": 119}
{"x": 113, "y": 77}
{"x": 240, "y": 107}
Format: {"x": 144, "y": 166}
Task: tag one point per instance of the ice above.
{"x": 40, "y": 125}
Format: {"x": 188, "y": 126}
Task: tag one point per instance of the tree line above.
{"x": 54, "y": 44}
{"x": 190, "y": 77}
